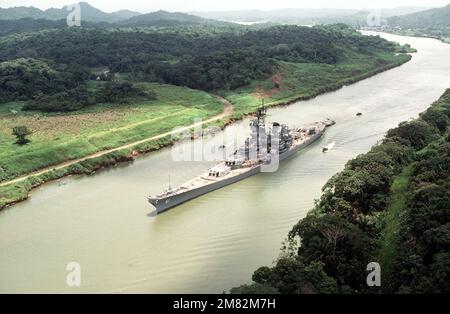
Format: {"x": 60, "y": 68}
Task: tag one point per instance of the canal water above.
{"x": 213, "y": 243}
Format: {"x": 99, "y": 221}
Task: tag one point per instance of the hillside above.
{"x": 201, "y": 58}
{"x": 164, "y": 18}
{"x": 307, "y": 16}
{"x": 89, "y": 14}
{"x": 430, "y": 23}
{"x": 273, "y": 15}
{"x": 390, "y": 206}
{"x": 21, "y": 12}
{"x": 434, "y": 18}
{"x": 28, "y": 25}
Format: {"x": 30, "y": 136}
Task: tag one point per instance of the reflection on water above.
{"x": 215, "y": 242}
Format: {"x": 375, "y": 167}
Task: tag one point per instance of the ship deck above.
{"x": 205, "y": 180}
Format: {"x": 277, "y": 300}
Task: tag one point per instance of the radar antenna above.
{"x": 261, "y": 114}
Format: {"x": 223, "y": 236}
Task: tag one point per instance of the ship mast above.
{"x": 261, "y": 116}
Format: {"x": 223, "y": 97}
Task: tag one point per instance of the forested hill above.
{"x": 391, "y": 206}
{"x": 164, "y": 18}
{"x": 28, "y": 25}
{"x": 197, "y": 58}
{"x": 90, "y": 15}
{"x": 434, "y": 18}
{"x": 307, "y": 16}
{"x": 431, "y": 23}
{"x": 160, "y": 19}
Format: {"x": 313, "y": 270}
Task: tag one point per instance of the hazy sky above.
{"x": 211, "y": 5}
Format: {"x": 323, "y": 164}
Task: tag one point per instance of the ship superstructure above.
{"x": 264, "y": 146}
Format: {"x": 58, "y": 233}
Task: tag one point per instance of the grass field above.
{"x": 60, "y": 137}
{"x": 393, "y": 220}
{"x": 301, "y": 81}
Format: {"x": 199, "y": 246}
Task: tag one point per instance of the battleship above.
{"x": 261, "y": 148}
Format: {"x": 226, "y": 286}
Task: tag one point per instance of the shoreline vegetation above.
{"x": 17, "y": 192}
{"x": 420, "y": 34}
{"x": 390, "y": 205}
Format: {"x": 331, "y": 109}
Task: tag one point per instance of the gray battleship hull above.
{"x": 166, "y": 203}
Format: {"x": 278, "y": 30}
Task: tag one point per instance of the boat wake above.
{"x": 329, "y": 147}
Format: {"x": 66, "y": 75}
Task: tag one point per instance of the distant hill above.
{"x": 164, "y": 18}
{"x": 88, "y": 13}
{"x": 434, "y": 23}
{"x": 20, "y": 13}
{"x": 91, "y": 14}
{"x": 26, "y": 25}
{"x": 433, "y": 18}
{"x": 273, "y": 15}
{"x": 126, "y": 14}
{"x": 306, "y": 16}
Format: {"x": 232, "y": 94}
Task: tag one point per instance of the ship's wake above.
{"x": 329, "y": 146}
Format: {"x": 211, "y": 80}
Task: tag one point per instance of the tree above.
{"x": 21, "y": 132}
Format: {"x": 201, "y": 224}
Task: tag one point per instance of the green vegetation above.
{"x": 23, "y": 78}
{"x": 61, "y": 88}
{"x": 393, "y": 220}
{"x": 17, "y": 192}
{"x": 167, "y": 19}
{"x": 21, "y": 132}
{"x": 301, "y": 81}
{"x": 60, "y": 137}
{"x": 389, "y": 205}
{"x": 199, "y": 58}
{"x": 25, "y": 25}
{"x": 118, "y": 93}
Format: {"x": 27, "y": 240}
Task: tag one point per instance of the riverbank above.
{"x": 298, "y": 82}
{"x": 19, "y": 190}
{"x": 445, "y": 38}
{"x": 61, "y": 137}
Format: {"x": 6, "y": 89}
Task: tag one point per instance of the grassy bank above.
{"x": 58, "y": 138}
{"x": 302, "y": 81}
{"x": 394, "y": 218}
{"x": 19, "y": 191}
